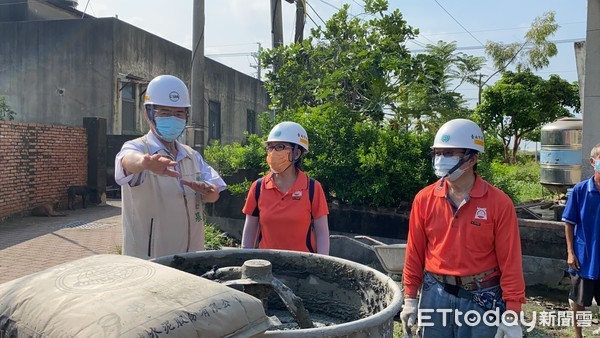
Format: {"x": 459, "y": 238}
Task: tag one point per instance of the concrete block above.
{"x": 542, "y": 270}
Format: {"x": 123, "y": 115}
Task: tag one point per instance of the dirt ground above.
{"x": 545, "y": 300}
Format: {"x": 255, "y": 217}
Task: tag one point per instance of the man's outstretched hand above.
{"x": 160, "y": 165}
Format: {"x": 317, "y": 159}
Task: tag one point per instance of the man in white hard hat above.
{"x": 164, "y": 182}
{"x": 464, "y": 249}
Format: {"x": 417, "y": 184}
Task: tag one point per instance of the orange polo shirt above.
{"x": 483, "y": 234}
{"x": 284, "y": 219}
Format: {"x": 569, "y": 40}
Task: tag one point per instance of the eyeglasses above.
{"x": 277, "y": 147}
{"x": 180, "y": 114}
{"x": 447, "y": 153}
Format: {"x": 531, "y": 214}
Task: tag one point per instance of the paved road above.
{"x": 31, "y": 244}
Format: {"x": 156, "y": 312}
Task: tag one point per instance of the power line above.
{"x": 233, "y": 44}
{"x": 557, "y": 71}
{"x": 358, "y": 4}
{"x": 330, "y": 5}
{"x": 483, "y": 47}
{"x": 463, "y": 27}
{"x": 85, "y": 9}
{"x": 229, "y": 54}
{"x": 418, "y": 43}
{"x": 311, "y": 7}
{"x": 428, "y": 39}
{"x": 498, "y": 29}
{"x": 311, "y": 19}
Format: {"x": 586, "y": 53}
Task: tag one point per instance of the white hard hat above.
{"x": 459, "y": 133}
{"x": 167, "y": 90}
{"x": 290, "y": 132}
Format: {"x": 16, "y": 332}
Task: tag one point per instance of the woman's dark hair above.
{"x": 298, "y": 162}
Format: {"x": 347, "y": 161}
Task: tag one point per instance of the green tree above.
{"x": 532, "y": 53}
{"x": 369, "y": 106}
{"x": 351, "y": 63}
{"x": 6, "y": 113}
{"x": 520, "y": 103}
{"x": 364, "y": 163}
{"x": 457, "y": 66}
{"x": 363, "y": 67}
{"x": 444, "y": 70}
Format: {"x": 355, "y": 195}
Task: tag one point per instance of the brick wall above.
{"x": 39, "y": 163}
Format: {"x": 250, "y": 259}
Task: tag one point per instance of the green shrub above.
{"x": 358, "y": 161}
{"x": 240, "y": 189}
{"x": 521, "y": 181}
{"x": 6, "y": 113}
{"x": 361, "y": 162}
{"x": 215, "y": 239}
{"x": 494, "y": 149}
{"x": 229, "y": 158}
{"x": 221, "y": 157}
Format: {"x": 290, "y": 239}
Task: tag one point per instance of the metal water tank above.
{"x": 560, "y": 156}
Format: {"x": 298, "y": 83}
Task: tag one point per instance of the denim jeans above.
{"x": 452, "y": 323}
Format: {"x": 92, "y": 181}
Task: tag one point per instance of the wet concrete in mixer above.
{"x": 287, "y": 322}
{"x": 255, "y": 277}
{"x": 333, "y": 292}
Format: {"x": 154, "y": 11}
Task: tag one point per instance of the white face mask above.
{"x": 597, "y": 165}
{"x": 443, "y": 164}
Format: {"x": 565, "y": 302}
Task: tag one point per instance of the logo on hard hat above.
{"x": 445, "y": 138}
{"x": 278, "y": 133}
{"x": 174, "y": 96}
{"x": 477, "y": 139}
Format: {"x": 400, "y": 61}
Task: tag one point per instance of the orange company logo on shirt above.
{"x": 481, "y": 213}
{"x": 297, "y": 195}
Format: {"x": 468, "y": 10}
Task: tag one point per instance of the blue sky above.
{"x": 235, "y": 27}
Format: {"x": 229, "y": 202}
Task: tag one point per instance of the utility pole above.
{"x": 479, "y": 85}
{"x": 276, "y": 28}
{"x": 276, "y": 23}
{"x": 257, "y": 59}
{"x": 195, "y": 132}
{"x": 300, "y": 20}
{"x": 591, "y": 88}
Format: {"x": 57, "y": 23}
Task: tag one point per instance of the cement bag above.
{"x": 121, "y": 296}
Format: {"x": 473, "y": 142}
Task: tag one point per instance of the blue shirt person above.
{"x": 582, "y": 232}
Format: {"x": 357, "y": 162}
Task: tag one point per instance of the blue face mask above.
{"x": 597, "y": 165}
{"x": 170, "y": 127}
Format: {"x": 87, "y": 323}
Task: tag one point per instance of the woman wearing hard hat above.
{"x": 164, "y": 182}
{"x": 464, "y": 249}
{"x": 286, "y": 209}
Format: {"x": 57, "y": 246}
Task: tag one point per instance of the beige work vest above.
{"x": 160, "y": 217}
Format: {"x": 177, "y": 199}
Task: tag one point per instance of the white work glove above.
{"x": 408, "y": 316}
{"x": 506, "y": 331}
